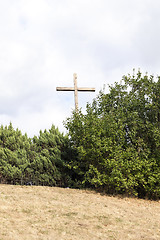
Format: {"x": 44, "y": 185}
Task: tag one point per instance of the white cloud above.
{"x": 43, "y": 42}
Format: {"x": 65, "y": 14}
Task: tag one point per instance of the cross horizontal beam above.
{"x": 82, "y": 89}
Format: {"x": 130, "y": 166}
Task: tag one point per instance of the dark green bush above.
{"x": 118, "y": 139}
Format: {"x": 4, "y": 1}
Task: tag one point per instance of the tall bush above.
{"x": 118, "y": 139}
{"x": 39, "y": 161}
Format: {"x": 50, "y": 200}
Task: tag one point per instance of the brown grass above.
{"x": 29, "y": 212}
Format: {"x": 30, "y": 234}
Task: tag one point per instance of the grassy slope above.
{"x": 29, "y": 212}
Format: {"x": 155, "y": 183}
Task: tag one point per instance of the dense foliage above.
{"x": 41, "y": 160}
{"x": 118, "y": 139}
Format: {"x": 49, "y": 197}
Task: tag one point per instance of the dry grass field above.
{"x": 29, "y": 212}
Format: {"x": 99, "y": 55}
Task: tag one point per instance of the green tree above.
{"x": 50, "y": 159}
{"x": 118, "y": 139}
{"x": 39, "y": 161}
{"x": 13, "y": 155}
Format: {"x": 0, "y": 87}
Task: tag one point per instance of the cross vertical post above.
{"x": 75, "y": 91}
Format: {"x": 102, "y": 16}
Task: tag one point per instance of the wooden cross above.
{"x": 75, "y": 89}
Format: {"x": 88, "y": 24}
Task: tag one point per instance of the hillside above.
{"x": 47, "y": 213}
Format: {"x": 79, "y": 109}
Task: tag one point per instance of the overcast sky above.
{"x": 43, "y": 42}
